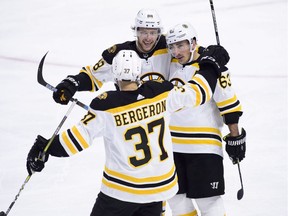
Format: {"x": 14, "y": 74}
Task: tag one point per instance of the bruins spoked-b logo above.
{"x": 177, "y": 82}
{"x": 152, "y": 76}
{"x": 102, "y": 96}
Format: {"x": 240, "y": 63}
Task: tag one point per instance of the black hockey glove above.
{"x": 35, "y": 162}
{"x": 236, "y": 146}
{"x": 215, "y": 55}
{"x": 66, "y": 90}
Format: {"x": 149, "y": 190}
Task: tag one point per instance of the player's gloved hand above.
{"x": 215, "y": 55}
{"x": 35, "y": 162}
{"x": 236, "y": 146}
{"x": 66, "y": 89}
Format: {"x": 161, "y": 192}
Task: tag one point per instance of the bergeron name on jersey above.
{"x": 140, "y": 113}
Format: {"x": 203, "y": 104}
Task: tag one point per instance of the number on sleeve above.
{"x": 88, "y": 117}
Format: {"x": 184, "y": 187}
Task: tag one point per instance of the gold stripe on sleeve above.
{"x": 80, "y": 137}
{"x": 227, "y": 102}
{"x": 68, "y": 143}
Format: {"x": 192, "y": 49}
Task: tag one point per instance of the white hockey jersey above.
{"x": 139, "y": 163}
{"x": 198, "y": 129}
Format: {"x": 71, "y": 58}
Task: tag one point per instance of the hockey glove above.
{"x": 216, "y": 56}
{"x": 236, "y": 146}
{"x": 66, "y": 89}
{"x": 35, "y": 162}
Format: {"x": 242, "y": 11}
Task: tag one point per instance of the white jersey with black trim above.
{"x": 198, "y": 129}
{"x": 139, "y": 163}
{"x": 155, "y": 64}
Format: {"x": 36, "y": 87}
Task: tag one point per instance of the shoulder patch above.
{"x": 102, "y": 96}
{"x": 112, "y": 49}
{"x": 111, "y": 52}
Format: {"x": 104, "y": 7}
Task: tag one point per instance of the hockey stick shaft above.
{"x": 240, "y": 192}
{"x": 214, "y": 22}
{"x": 41, "y": 81}
{"x": 18, "y": 194}
{"x": 43, "y": 154}
{"x": 240, "y": 174}
{"x": 60, "y": 125}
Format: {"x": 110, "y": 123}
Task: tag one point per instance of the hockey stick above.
{"x": 240, "y": 192}
{"x": 42, "y": 157}
{"x": 214, "y": 21}
{"x": 41, "y": 80}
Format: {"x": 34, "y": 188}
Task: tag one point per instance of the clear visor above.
{"x": 179, "y": 47}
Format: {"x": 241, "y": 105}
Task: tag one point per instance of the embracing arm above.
{"x": 200, "y": 89}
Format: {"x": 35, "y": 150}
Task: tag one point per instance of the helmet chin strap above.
{"x": 192, "y": 54}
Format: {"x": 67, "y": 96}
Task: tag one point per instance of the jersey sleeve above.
{"x": 100, "y": 73}
{"x": 226, "y": 99}
{"x": 196, "y": 92}
{"x": 80, "y": 136}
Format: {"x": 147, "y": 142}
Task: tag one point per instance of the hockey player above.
{"x": 150, "y": 45}
{"x": 139, "y": 170}
{"x": 196, "y": 131}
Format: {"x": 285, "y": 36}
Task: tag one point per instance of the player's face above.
{"x": 147, "y": 38}
{"x": 181, "y": 51}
